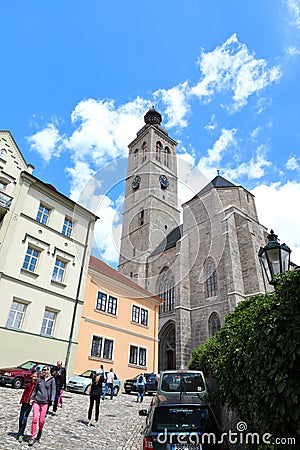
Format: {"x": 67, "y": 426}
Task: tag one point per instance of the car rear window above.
{"x": 182, "y": 382}
{"x": 181, "y": 419}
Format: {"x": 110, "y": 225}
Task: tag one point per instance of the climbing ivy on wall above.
{"x": 255, "y": 358}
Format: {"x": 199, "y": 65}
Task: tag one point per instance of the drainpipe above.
{"x": 77, "y": 295}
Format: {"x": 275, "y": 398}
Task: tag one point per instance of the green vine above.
{"x": 255, "y": 358}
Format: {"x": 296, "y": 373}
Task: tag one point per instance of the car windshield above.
{"x": 87, "y": 374}
{"x": 28, "y": 365}
{"x": 182, "y": 382}
{"x": 181, "y": 419}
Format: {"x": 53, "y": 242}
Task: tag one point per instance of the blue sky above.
{"x": 77, "y": 78}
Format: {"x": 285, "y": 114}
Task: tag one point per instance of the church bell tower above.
{"x": 151, "y": 200}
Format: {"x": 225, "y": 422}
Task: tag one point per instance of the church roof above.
{"x": 170, "y": 241}
{"x": 217, "y": 182}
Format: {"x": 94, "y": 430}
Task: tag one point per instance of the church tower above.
{"x": 151, "y": 201}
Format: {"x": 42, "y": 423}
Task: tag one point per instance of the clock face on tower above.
{"x": 136, "y": 182}
{"x": 164, "y": 182}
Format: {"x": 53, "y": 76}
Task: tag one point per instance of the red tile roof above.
{"x": 103, "y": 268}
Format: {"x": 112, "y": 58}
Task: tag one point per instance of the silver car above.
{"x": 80, "y": 383}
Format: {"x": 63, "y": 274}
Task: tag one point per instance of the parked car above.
{"x": 151, "y": 383}
{"x": 80, "y": 383}
{"x": 190, "y": 382}
{"x": 181, "y": 422}
{"x": 19, "y": 375}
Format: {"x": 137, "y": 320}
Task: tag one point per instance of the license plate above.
{"x": 186, "y": 446}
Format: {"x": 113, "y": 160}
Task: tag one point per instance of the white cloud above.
{"x": 255, "y": 168}
{"x": 46, "y": 142}
{"x": 294, "y": 7}
{"x": 230, "y": 67}
{"x": 212, "y": 124}
{"x": 292, "y": 51}
{"x": 210, "y": 163}
{"x": 108, "y": 229}
{"x": 293, "y": 163}
{"x": 103, "y": 130}
{"x": 81, "y": 175}
{"x": 276, "y": 210}
{"x": 176, "y": 103}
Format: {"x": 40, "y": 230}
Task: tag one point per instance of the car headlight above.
{"x": 8, "y": 374}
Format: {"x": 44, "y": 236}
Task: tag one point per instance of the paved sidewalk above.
{"x": 119, "y": 426}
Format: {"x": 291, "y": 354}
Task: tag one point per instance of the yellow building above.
{"x": 119, "y": 324}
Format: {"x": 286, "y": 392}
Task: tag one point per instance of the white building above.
{"x": 45, "y": 241}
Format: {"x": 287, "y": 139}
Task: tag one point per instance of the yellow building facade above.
{"x": 119, "y": 324}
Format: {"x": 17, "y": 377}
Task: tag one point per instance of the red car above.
{"x": 19, "y": 375}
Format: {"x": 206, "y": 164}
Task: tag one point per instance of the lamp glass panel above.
{"x": 285, "y": 259}
{"x": 274, "y": 260}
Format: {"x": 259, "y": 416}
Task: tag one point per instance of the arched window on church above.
{"x": 144, "y": 152}
{"x": 166, "y": 160}
{"x": 141, "y": 217}
{"x": 214, "y": 323}
{"x": 158, "y": 150}
{"x": 211, "y": 278}
{"x": 135, "y": 158}
{"x": 166, "y": 290}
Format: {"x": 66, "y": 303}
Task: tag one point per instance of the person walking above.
{"x": 43, "y": 394}
{"x": 59, "y": 373}
{"x": 95, "y": 392}
{"x": 25, "y": 406}
{"x": 110, "y": 379}
{"x": 141, "y": 386}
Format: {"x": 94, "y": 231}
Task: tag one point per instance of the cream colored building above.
{"x": 45, "y": 241}
{"x": 119, "y": 324}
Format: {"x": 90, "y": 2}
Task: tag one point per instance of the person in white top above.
{"x": 109, "y": 384}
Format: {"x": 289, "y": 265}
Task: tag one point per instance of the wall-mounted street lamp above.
{"x": 274, "y": 257}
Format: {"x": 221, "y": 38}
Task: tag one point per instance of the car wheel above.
{"x": 17, "y": 382}
{"x": 116, "y": 390}
{"x": 127, "y": 391}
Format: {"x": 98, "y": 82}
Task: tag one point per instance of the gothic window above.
{"x": 166, "y": 290}
{"x": 144, "y": 151}
{"x": 211, "y": 279}
{"x": 135, "y": 158}
{"x": 141, "y": 217}
{"x": 214, "y": 323}
{"x": 166, "y": 160}
{"x": 158, "y": 151}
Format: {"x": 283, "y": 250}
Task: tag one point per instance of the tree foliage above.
{"x": 255, "y": 359}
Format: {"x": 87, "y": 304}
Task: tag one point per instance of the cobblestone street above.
{"x": 118, "y": 428}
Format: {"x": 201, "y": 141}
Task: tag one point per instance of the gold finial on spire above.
{"x": 152, "y": 105}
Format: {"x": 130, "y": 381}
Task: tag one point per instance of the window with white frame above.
{"x": 16, "y": 314}
{"x": 43, "y": 214}
{"x": 31, "y": 259}
{"x": 67, "y": 227}
{"x": 2, "y": 186}
{"x": 108, "y": 306}
{"x": 48, "y": 322}
{"x": 112, "y": 305}
{"x": 139, "y": 315}
{"x": 101, "y": 301}
{"x": 102, "y": 347}
{"x": 59, "y": 270}
{"x": 137, "y": 356}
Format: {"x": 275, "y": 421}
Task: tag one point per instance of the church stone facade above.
{"x": 202, "y": 267}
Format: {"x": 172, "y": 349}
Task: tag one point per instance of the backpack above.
{"x": 140, "y": 379}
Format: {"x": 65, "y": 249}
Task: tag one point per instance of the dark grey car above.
{"x": 181, "y": 422}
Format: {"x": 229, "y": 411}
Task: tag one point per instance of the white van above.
{"x": 183, "y": 381}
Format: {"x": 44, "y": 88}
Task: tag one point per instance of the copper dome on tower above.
{"x": 152, "y": 117}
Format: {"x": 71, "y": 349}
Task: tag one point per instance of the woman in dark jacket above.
{"x": 95, "y": 395}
